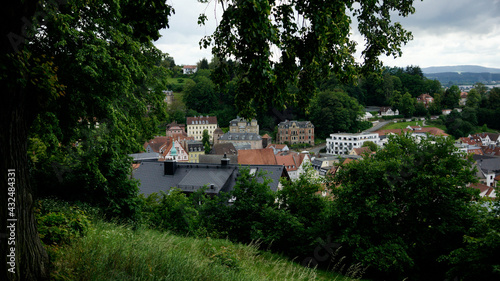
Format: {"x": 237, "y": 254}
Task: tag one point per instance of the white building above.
{"x": 189, "y": 69}
{"x": 196, "y": 125}
{"x": 343, "y": 143}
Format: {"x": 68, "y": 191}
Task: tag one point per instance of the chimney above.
{"x": 224, "y": 161}
{"x": 169, "y": 167}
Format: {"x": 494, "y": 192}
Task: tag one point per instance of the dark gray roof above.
{"x": 240, "y": 136}
{"x": 242, "y": 146}
{"x": 224, "y": 148}
{"x": 300, "y": 124}
{"x": 487, "y": 163}
{"x": 145, "y": 156}
{"x": 190, "y": 177}
{"x": 215, "y": 158}
{"x": 193, "y": 145}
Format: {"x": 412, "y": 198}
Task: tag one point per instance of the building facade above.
{"x": 195, "y": 149}
{"x": 189, "y": 69}
{"x": 196, "y": 126}
{"x": 343, "y": 143}
{"x": 426, "y": 99}
{"x": 294, "y": 132}
{"x": 241, "y": 125}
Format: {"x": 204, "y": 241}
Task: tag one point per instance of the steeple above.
{"x": 173, "y": 152}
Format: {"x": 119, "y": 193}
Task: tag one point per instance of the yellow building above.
{"x": 196, "y": 126}
{"x": 195, "y": 149}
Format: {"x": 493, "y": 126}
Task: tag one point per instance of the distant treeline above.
{"x": 464, "y": 78}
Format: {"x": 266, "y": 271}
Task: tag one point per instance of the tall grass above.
{"x": 114, "y": 252}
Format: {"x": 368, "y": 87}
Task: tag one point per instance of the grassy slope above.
{"x": 402, "y": 125}
{"x": 112, "y": 252}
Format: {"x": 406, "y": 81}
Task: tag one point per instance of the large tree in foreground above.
{"x": 401, "y": 209}
{"x": 279, "y": 43}
{"x": 84, "y": 60}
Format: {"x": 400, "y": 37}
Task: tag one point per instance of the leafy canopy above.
{"x": 112, "y": 101}
{"x": 296, "y": 42}
{"x": 404, "y": 207}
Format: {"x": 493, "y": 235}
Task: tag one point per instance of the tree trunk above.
{"x": 20, "y": 242}
{"x": 19, "y": 239}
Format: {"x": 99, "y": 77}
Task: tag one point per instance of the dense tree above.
{"x": 494, "y": 98}
{"x": 481, "y": 88}
{"x": 199, "y": 95}
{"x": 376, "y": 89}
{"x": 473, "y": 98}
{"x": 478, "y": 259}
{"x": 435, "y": 107}
{"x": 77, "y": 59}
{"x": 203, "y": 64}
{"x": 309, "y": 37}
{"x": 206, "y": 141}
{"x": 335, "y": 111}
{"x": 412, "y": 80}
{"x": 451, "y": 97}
{"x": 433, "y": 86}
{"x": 420, "y": 109}
{"x": 401, "y": 209}
{"x": 406, "y": 105}
{"x": 457, "y": 126}
{"x": 373, "y": 146}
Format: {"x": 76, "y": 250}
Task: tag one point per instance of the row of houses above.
{"x": 244, "y": 134}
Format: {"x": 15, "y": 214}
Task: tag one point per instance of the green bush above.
{"x": 173, "y": 212}
{"x": 58, "y": 221}
{"x": 300, "y": 146}
{"x": 392, "y": 117}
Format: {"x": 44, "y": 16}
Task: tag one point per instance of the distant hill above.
{"x": 462, "y": 74}
{"x": 460, "y": 68}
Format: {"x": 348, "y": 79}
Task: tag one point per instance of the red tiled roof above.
{"x": 469, "y": 141}
{"x": 493, "y": 151}
{"x": 424, "y": 97}
{"x": 484, "y": 190}
{"x": 291, "y": 161}
{"x": 157, "y": 143}
{"x": 263, "y": 156}
{"x": 362, "y": 150}
{"x": 277, "y": 146}
{"x": 475, "y": 151}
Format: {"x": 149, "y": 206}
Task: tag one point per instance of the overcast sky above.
{"x": 446, "y": 32}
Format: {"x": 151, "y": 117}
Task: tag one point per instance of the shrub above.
{"x": 59, "y": 221}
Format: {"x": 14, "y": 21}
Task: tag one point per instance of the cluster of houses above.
{"x": 179, "y": 160}
{"x": 485, "y": 150}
